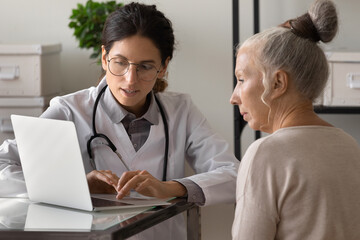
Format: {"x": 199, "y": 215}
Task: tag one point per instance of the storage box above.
{"x": 29, "y": 106}
{"x": 343, "y": 88}
{"x": 29, "y": 70}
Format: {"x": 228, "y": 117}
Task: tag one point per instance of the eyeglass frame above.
{"x": 137, "y": 68}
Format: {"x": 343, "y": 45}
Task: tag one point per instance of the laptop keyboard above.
{"x": 98, "y": 202}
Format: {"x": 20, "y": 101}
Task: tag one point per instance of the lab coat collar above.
{"x": 117, "y": 113}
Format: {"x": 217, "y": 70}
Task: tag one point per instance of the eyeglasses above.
{"x": 145, "y": 71}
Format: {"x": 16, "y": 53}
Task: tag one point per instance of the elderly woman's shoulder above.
{"x": 276, "y": 142}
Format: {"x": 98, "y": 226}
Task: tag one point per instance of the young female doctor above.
{"x": 132, "y": 134}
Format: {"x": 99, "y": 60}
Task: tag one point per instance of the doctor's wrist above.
{"x": 176, "y": 189}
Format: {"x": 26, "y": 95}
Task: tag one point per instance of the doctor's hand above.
{"x": 145, "y": 184}
{"x": 102, "y": 181}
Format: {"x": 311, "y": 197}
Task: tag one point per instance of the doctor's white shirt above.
{"x": 190, "y": 138}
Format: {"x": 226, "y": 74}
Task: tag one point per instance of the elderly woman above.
{"x": 303, "y": 180}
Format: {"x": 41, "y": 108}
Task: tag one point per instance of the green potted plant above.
{"x": 88, "y": 21}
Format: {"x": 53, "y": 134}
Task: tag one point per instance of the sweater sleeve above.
{"x": 256, "y": 209}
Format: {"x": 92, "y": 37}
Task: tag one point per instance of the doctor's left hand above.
{"x": 144, "y": 183}
{"x": 102, "y": 181}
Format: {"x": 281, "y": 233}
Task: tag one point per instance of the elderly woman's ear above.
{"x": 280, "y": 84}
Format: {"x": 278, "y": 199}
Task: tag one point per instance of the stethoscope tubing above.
{"x": 166, "y": 130}
{"x": 112, "y": 146}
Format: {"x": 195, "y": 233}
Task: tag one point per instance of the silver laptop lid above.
{"x": 51, "y": 161}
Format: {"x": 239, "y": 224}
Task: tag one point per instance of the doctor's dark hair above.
{"x": 146, "y": 21}
{"x": 293, "y": 47}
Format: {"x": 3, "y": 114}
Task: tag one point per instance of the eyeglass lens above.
{"x": 120, "y": 66}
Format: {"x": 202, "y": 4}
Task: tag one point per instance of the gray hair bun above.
{"x": 320, "y": 23}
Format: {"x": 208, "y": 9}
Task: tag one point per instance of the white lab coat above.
{"x": 190, "y": 138}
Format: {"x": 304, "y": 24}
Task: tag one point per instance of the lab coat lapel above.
{"x": 150, "y": 156}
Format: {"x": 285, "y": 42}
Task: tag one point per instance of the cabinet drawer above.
{"x": 28, "y": 106}
{"x": 343, "y": 88}
{"x": 29, "y": 70}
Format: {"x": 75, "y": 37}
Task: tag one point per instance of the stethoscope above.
{"x": 112, "y": 146}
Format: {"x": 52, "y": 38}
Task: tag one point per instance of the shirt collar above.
{"x": 117, "y": 113}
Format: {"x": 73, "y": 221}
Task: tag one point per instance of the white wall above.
{"x": 203, "y": 32}
{"x": 41, "y": 21}
{"x": 202, "y": 64}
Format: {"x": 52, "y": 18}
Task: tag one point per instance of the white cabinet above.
{"x": 343, "y": 88}
{"x": 29, "y": 106}
{"x": 29, "y": 70}
{"x": 29, "y": 78}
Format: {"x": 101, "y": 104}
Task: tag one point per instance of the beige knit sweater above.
{"x": 299, "y": 183}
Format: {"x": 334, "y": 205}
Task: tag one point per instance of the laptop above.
{"x": 53, "y": 167}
